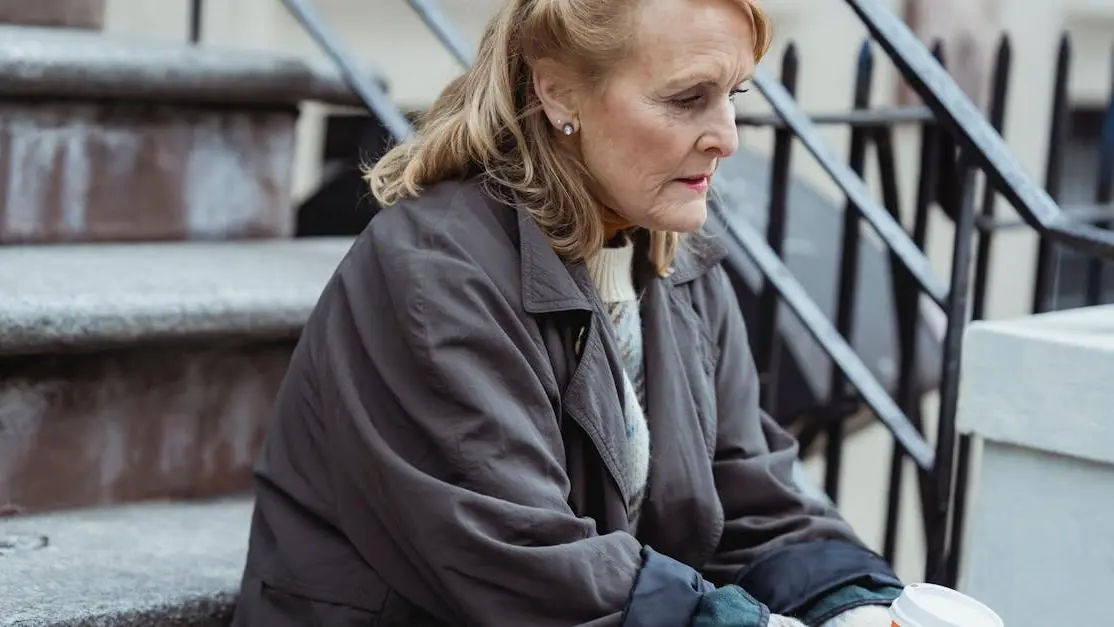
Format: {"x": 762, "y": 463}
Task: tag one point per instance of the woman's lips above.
{"x": 697, "y": 183}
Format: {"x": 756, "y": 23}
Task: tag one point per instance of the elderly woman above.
{"x": 526, "y": 398}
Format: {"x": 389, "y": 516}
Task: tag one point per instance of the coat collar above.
{"x": 550, "y": 284}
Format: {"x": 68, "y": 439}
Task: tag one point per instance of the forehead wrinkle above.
{"x": 720, "y": 76}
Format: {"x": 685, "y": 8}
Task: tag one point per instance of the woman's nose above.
{"x": 721, "y": 139}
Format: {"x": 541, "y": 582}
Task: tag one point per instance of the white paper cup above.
{"x": 928, "y": 605}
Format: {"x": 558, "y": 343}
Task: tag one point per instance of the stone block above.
{"x": 171, "y": 421}
{"x": 116, "y": 171}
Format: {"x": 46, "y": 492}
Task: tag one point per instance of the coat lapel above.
{"x": 591, "y": 396}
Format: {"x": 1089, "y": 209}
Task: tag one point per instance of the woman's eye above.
{"x": 736, "y": 92}
{"x": 686, "y": 102}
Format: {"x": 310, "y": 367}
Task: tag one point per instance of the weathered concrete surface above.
{"x": 115, "y": 139}
{"x": 123, "y": 426}
{"x": 1036, "y": 392}
{"x": 151, "y": 564}
{"x": 81, "y": 297}
{"x": 49, "y": 64}
{"x": 144, "y": 371}
{"x": 127, "y": 172}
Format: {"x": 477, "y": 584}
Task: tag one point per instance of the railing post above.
{"x": 197, "y": 12}
{"x": 990, "y": 195}
{"x": 1104, "y": 194}
{"x": 848, "y": 281}
{"x": 939, "y": 541}
{"x": 909, "y": 304}
{"x": 766, "y": 342}
{"x": 1047, "y": 254}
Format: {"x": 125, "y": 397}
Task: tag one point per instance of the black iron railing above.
{"x": 370, "y": 92}
{"x": 957, "y": 143}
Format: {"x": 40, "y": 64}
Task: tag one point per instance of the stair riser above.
{"x": 85, "y": 14}
{"x": 82, "y": 431}
{"x": 85, "y": 172}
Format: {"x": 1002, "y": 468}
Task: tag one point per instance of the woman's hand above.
{"x": 865, "y": 616}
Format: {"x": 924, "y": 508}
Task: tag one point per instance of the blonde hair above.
{"x": 490, "y": 119}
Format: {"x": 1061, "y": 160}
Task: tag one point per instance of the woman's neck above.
{"x": 613, "y": 224}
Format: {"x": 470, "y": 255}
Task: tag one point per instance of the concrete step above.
{"x": 138, "y": 565}
{"x": 144, "y": 371}
{"x": 111, "y": 139}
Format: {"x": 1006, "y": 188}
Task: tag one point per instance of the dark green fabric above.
{"x": 846, "y": 598}
{"x": 730, "y": 606}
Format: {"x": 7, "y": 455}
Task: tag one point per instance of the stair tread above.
{"x": 58, "y": 297}
{"x": 171, "y": 561}
{"x": 68, "y": 63}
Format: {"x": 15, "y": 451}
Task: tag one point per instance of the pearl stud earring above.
{"x": 566, "y": 127}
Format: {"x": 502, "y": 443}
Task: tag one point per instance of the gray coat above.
{"x": 449, "y": 448}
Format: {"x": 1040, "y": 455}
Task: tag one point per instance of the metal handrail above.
{"x": 816, "y": 322}
{"x": 373, "y": 96}
{"x": 887, "y": 227}
{"x": 968, "y": 125}
{"x": 433, "y": 16}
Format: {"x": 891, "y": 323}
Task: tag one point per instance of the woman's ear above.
{"x": 554, "y": 85}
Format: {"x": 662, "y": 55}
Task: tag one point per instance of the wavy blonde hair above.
{"x": 490, "y": 119}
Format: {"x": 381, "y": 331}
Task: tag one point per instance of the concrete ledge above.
{"x": 1036, "y": 395}
{"x": 53, "y": 63}
{"x": 161, "y": 563}
{"x": 1034, "y": 381}
{"x": 83, "y": 297}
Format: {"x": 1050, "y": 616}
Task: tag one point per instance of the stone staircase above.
{"x": 150, "y": 295}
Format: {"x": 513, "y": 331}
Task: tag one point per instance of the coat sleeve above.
{"x": 786, "y": 549}
{"x": 446, "y": 435}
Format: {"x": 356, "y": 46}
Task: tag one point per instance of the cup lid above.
{"x": 929, "y": 605}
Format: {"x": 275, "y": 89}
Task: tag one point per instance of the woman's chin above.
{"x": 689, "y": 217}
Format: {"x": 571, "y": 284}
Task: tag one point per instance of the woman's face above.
{"x": 652, "y": 134}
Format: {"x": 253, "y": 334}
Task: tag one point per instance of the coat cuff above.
{"x": 665, "y": 593}
{"x": 791, "y": 578}
{"x": 836, "y": 604}
{"x": 730, "y": 606}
